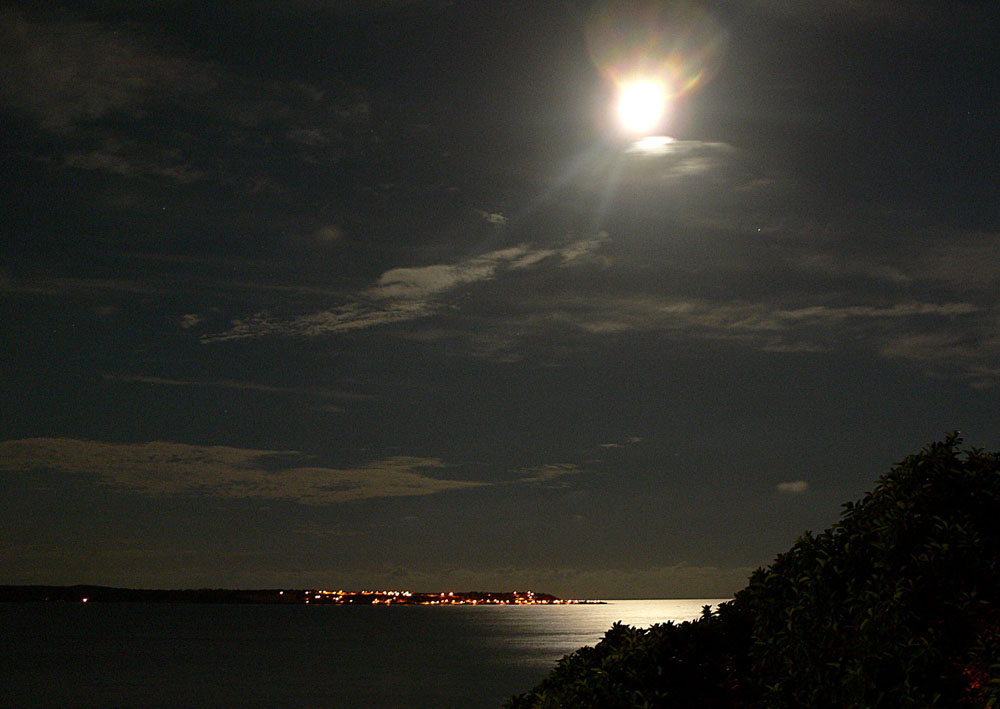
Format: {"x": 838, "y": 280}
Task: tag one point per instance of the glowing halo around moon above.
{"x": 654, "y": 52}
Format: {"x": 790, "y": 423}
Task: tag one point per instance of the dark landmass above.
{"x": 894, "y": 606}
{"x": 107, "y": 594}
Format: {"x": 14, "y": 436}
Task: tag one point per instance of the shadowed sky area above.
{"x": 382, "y": 294}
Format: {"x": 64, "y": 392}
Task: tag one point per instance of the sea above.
{"x": 192, "y": 655}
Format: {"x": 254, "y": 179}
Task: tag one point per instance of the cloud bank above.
{"x": 164, "y": 468}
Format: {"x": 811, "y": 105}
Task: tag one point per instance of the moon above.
{"x": 641, "y": 104}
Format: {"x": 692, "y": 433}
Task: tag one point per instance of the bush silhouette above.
{"x": 893, "y": 606}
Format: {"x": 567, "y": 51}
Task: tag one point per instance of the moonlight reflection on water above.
{"x": 160, "y": 655}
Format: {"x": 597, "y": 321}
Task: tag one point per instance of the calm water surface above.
{"x": 160, "y": 655}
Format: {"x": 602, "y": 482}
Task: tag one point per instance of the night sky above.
{"x": 384, "y": 294}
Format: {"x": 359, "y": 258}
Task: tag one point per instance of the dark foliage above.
{"x": 893, "y": 606}
{"x": 698, "y": 663}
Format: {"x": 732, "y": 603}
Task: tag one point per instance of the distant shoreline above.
{"x": 277, "y": 596}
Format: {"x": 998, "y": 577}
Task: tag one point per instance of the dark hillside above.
{"x": 893, "y": 606}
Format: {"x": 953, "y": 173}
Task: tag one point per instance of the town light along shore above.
{"x": 106, "y": 594}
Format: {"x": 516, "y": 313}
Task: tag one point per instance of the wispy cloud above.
{"x": 680, "y": 158}
{"x": 763, "y": 325}
{"x": 560, "y": 324}
{"x": 948, "y": 261}
{"x": 61, "y": 286}
{"x": 327, "y": 235}
{"x": 630, "y": 441}
{"x": 189, "y": 320}
{"x": 931, "y": 255}
{"x": 70, "y": 72}
{"x": 94, "y": 84}
{"x": 494, "y": 218}
{"x": 974, "y": 350}
{"x": 315, "y": 392}
{"x": 549, "y": 475}
{"x": 165, "y": 468}
{"x": 405, "y": 294}
{"x": 114, "y": 160}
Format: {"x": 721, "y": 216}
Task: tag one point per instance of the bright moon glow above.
{"x": 640, "y": 105}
